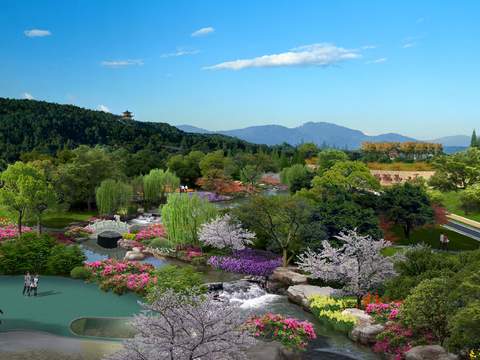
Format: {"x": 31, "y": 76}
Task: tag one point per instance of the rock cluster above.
{"x": 300, "y": 294}
{"x": 429, "y": 352}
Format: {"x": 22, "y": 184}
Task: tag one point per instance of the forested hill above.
{"x": 27, "y": 125}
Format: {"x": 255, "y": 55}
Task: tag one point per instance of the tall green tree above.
{"x": 25, "y": 190}
{"x": 277, "y": 220}
{"x": 407, "y": 205}
{"x": 329, "y": 157}
{"x": 77, "y": 179}
{"x": 297, "y": 177}
{"x": 157, "y": 183}
{"x": 187, "y": 167}
{"x": 474, "y": 140}
{"x": 250, "y": 175}
{"x": 183, "y": 214}
{"x": 457, "y": 171}
{"x": 346, "y": 176}
{"x": 113, "y": 196}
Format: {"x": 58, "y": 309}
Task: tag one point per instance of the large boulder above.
{"x": 365, "y": 333}
{"x": 429, "y": 352}
{"x": 361, "y": 316}
{"x": 134, "y": 255}
{"x": 300, "y": 294}
{"x": 272, "y": 350}
{"x": 288, "y": 276}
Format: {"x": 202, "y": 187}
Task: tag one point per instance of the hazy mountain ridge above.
{"x": 320, "y": 133}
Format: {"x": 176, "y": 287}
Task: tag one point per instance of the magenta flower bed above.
{"x": 383, "y": 312}
{"x": 122, "y": 276}
{"x": 292, "y": 333}
{"x": 247, "y": 261}
{"x": 151, "y": 232}
{"x": 11, "y": 231}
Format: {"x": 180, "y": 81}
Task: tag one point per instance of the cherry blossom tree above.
{"x": 175, "y": 327}
{"x": 223, "y": 232}
{"x": 357, "y": 263}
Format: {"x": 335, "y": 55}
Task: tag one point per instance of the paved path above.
{"x": 33, "y": 345}
{"x": 463, "y": 229}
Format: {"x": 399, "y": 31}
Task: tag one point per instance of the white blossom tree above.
{"x": 357, "y": 263}
{"x": 175, "y": 327}
{"x": 223, "y": 232}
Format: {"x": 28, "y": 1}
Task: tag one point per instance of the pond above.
{"x": 59, "y": 302}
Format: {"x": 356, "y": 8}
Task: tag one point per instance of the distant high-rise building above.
{"x": 127, "y": 115}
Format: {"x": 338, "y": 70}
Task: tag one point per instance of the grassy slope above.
{"x": 451, "y": 200}
{"x": 431, "y": 236}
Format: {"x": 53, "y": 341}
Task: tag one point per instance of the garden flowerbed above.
{"x": 121, "y": 276}
{"x": 290, "y": 332}
{"x": 247, "y": 261}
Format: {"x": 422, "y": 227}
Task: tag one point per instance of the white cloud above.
{"x": 103, "y": 108}
{"x": 28, "y": 96}
{"x": 377, "y": 61}
{"x": 367, "y": 47}
{"x": 309, "y": 55}
{"x": 180, "y": 52}
{"x": 122, "y": 63}
{"x": 203, "y": 31}
{"x": 409, "y": 45}
{"x": 37, "y": 33}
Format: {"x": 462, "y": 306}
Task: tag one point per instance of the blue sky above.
{"x": 379, "y": 66}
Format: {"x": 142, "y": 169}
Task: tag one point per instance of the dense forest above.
{"x": 46, "y": 128}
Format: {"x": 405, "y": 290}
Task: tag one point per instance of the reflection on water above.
{"x": 118, "y": 328}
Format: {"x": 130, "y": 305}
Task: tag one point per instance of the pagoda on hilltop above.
{"x": 127, "y": 115}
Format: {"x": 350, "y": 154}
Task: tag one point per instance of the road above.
{"x": 463, "y": 229}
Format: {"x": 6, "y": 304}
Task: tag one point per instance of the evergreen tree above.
{"x": 474, "y": 141}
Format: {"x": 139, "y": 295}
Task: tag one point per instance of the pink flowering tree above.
{"x": 176, "y": 327}
{"x": 357, "y": 263}
{"x": 224, "y": 232}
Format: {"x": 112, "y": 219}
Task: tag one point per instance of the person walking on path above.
{"x": 442, "y": 241}
{"x": 34, "y": 285}
{"x": 27, "y": 278}
{"x": 446, "y": 240}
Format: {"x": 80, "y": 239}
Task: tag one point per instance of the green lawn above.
{"x": 431, "y": 236}
{"x": 451, "y": 200}
{"x": 392, "y": 250}
{"x": 55, "y": 219}
{"x": 60, "y": 220}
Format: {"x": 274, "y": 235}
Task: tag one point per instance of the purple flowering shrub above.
{"x": 211, "y": 196}
{"x": 247, "y": 261}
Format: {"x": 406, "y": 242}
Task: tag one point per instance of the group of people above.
{"x": 30, "y": 284}
{"x": 444, "y": 241}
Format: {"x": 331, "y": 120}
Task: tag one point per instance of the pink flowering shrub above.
{"x": 122, "y": 276}
{"x": 151, "y": 232}
{"x": 292, "y": 333}
{"x": 11, "y": 231}
{"x": 383, "y": 312}
{"x": 397, "y": 339}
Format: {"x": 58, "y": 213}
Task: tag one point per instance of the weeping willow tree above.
{"x": 182, "y": 216}
{"x": 157, "y": 183}
{"x": 113, "y": 197}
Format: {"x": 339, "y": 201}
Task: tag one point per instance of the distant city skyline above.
{"x": 407, "y": 67}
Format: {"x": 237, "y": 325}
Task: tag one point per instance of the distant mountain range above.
{"x": 321, "y": 133}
